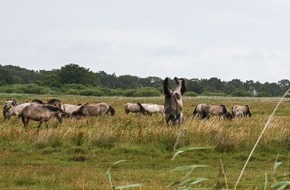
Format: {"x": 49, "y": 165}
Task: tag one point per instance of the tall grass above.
{"x": 258, "y": 140}
{"x": 92, "y": 143}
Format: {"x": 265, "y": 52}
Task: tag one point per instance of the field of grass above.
{"x": 77, "y": 153}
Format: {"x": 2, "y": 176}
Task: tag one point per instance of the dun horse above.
{"x": 198, "y": 111}
{"x": 41, "y": 113}
{"x": 94, "y": 110}
{"x": 173, "y": 104}
{"x": 12, "y": 109}
{"x": 7, "y": 105}
{"x": 134, "y": 108}
{"x": 153, "y": 108}
{"x": 68, "y": 109}
{"x": 240, "y": 111}
{"x": 215, "y": 110}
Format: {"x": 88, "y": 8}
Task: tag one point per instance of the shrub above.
{"x": 192, "y": 94}
{"x": 263, "y": 94}
{"x": 26, "y": 89}
{"x": 146, "y": 92}
{"x": 241, "y": 93}
{"x": 91, "y": 92}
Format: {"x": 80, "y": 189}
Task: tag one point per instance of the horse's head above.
{"x": 228, "y": 115}
{"x": 173, "y": 104}
{"x": 54, "y": 102}
{"x": 9, "y": 104}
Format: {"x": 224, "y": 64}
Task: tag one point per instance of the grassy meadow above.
{"x": 77, "y": 153}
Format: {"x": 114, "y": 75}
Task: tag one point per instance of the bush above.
{"x": 147, "y": 92}
{"x": 191, "y": 94}
{"x": 91, "y": 92}
{"x": 67, "y": 87}
{"x": 129, "y": 93}
{"x": 26, "y": 89}
{"x": 72, "y": 92}
{"x": 263, "y": 94}
{"x": 241, "y": 93}
{"x": 207, "y": 93}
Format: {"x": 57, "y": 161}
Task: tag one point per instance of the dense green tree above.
{"x": 194, "y": 85}
{"x": 233, "y": 85}
{"x": 74, "y": 79}
{"x": 107, "y": 80}
{"x": 74, "y": 74}
{"x": 284, "y": 85}
{"x": 5, "y": 77}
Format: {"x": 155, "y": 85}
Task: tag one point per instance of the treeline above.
{"x": 75, "y": 80}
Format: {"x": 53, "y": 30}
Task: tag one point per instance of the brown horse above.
{"x": 173, "y": 104}
{"x": 215, "y": 110}
{"x": 94, "y": 110}
{"x": 41, "y": 113}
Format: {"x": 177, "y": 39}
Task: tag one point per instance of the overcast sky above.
{"x": 227, "y": 39}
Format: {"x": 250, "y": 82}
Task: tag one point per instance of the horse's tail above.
{"x": 204, "y": 113}
{"x": 111, "y": 110}
{"x": 78, "y": 111}
{"x": 224, "y": 109}
{"x": 23, "y": 118}
{"x": 194, "y": 111}
{"x": 248, "y": 111}
{"x": 126, "y": 109}
{"x": 142, "y": 109}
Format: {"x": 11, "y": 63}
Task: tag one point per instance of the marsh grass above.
{"x": 77, "y": 153}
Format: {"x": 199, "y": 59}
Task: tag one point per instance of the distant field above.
{"x": 76, "y": 154}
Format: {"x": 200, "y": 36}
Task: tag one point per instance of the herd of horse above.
{"x": 172, "y": 109}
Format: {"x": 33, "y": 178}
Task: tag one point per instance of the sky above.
{"x": 227, "y": 39}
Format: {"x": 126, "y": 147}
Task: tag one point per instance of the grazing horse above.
{"x": 41, "y": 113}
{"x": 173, "y": 104}
{"x": 134, "y": 108}
{"x": 94, "y": 110}
{"x": 237, "y": 109}
{"x": 198, "y": 111}
{"x": 153, "y": 108}
{"x": 11, "y": 109}
{"x": 215, "y": 110}
{"x": 7, "y": 105}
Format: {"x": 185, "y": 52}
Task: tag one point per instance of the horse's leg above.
{"x": 46, "y": 124}
{"x": 25, "y": 123}
{"x": 40, "y": 122}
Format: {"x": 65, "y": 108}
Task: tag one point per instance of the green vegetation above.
{"x": 78, "y": 153}
{"x": 72, "y": 79}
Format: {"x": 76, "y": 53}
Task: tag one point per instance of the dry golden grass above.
{"x": 76, "y": 154}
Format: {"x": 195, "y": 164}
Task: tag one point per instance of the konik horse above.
{"x": 173, "y": 104}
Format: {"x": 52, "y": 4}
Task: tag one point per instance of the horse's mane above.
{"x": 53, "y": 108}
{"x": 142, "y": 109}
{"x": 38, "y": 101}
{"x": 53, "y": 100}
